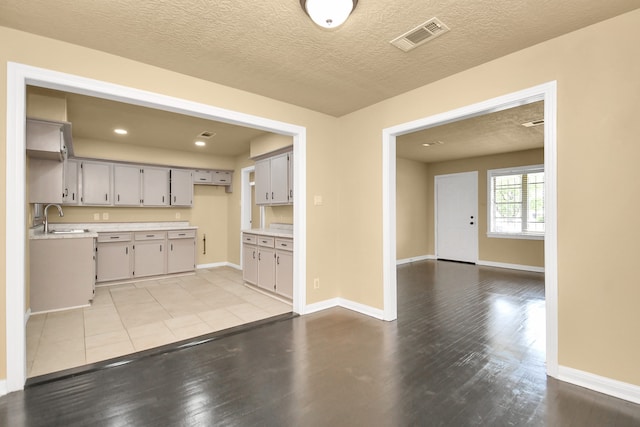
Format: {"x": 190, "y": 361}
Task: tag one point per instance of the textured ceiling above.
{"x": 272, "y": 48}
{"x": 493, "y": 133}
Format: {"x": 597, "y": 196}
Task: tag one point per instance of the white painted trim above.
{"x": 521, "y": 267}
{"x": 245, "y": 203}
{"x": 322, "y": 305}
{"x": 27, "y": 315}
{"x": 546, "y": 92}
{"x": 3, "y": 388}
{"x": 361, "y": 308}
{"x": 20, "y": 75}
{"x": 218, "y": 264}
{"x": 600, "y": 384}
{"x": 436, "y": 180}
{"x": 414, "y": 259}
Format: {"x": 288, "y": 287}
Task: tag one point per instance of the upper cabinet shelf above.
{"x": 48, "y": 139}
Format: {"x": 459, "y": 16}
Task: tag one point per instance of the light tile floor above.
{"x": 137, "y": 316}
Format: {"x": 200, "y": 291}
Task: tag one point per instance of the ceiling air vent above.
{"x": 206, "y": 134}
{"x": 421, "y": 34}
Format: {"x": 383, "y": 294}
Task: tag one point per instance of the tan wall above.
{"x": 412, "y": 207}
{"x": 510, "y": 251}
{"x": 269, "y": 142}
{"x": 322, "y": 139}
{"x": 597, "y": 74}
{"x": 596, "y": 69}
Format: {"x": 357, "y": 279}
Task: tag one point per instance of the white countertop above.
{"x": 106, "y": 227}
{"x": 275, "y": 230}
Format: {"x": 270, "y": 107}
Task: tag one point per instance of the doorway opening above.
{"x": 545, "y": 93}
{"x": 18, "y": 77}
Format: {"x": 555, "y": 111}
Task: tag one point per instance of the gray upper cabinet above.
{"x": 45, "y": 181}
{"x": 274, "y": 179}
{"x": 181, "y": 187}
{"x": 70, "y": 195}
{"x": 126, "y": 185}
{"x": 155, "y": 186}
{"x": 48, "y": 139}
{"x": 96, "y": 183}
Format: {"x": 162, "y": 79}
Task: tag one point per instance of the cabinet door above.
{"x": 155, "y": 186}
{"x": 284, "y": 273}
{"x": 290, "y": 161}
{"x": 267, "y": 268}
{"x": 250, "y": 263}
{"x": 149, "y": 258}
{"x": 221, "y": 178}
{"x": 96, "y": 183}
{"x": 113, "y": 261}
{"x": 181, "y": 256}
{"x": 70, "y": 195}
{"x": 45, "y": 181}
{"x": 280, "y": 179}
{"x": 263, "y": 182}
{"x": 126, "y": 185}
{"x": 181, "y": 187}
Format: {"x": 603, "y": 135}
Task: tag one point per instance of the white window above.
{"x": 516, "y": 202}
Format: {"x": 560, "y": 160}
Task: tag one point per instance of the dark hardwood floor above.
{"x": 467, "y": 349}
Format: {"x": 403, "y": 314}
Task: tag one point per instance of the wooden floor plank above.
{"x": 467, "y": 349}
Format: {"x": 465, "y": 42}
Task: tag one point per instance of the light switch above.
{"x": 317, "y": 200}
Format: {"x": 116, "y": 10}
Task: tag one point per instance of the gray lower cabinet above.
{"x": 268, "y": 263}
{"x": 62, "y": 273}
{"x": 114, "y": 256}
{"x": 149, "y": 255}
{"x": 182, "y": 251}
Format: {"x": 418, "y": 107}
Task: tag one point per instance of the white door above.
{"x": 457, "y": 216}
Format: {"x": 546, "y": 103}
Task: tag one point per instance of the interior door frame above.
{"x": 21, "y": 75}
{"x": 435, "y": 211}
{"x": 546, "y": 92}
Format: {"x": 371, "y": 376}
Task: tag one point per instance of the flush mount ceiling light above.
{"x": 121, "y": 131}
{"x": 430, "y": 144}
{"x": 201, "y": 143}
{"x": 328, "y": 13}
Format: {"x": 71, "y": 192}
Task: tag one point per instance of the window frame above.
{"x": 518, "y": 170}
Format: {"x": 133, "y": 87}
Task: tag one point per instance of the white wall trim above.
{"x": 546, "y": 92}
{"x": 600, "y": 384}
{"x": 218, "y": 264}
{"x": 3, "y": 387}
{"x": 322, "y": 305}
{"x": 245, "y": 203}
{"x": 521, "y": 267}
{"x": 345, "y": 303}
{"x": 20, "y": 75}
{"x": 414, "y": 259}
{"x": 27, "y": 315}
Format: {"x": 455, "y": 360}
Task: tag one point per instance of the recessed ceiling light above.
{"x": 121, "y": 131}
{"x": 429, "y": 144}
{"x": 201, "y": 143}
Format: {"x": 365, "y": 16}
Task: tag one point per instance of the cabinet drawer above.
{"x": 152, "y": 235}
{"x": 114, "y": 237}
{"x": 182, "y": 234}
{"x": 284, "y": 244}
{"x": 250, "y": 238}
{"x": 222, "y": 177}
{"x": 266, "y": 241}
{"x": 202, "y": 177}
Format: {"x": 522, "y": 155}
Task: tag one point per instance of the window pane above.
{"x": 507, "y": 207}
{"x": 535, "y": 202}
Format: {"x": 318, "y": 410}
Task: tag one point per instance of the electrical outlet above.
{"x": 316, "y": 283}
{"x": 96, "y": 217}
{"x": 105, "y": 216}
{"x": 178, "y": 215}
{"x": 317, "y": 200}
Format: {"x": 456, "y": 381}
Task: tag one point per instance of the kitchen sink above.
{"x": 74, "y": 231}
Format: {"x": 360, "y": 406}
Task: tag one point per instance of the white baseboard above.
{"x": 3, "y": 387}
{"x": 344, "y": 303}
{"x": 511, "y": 266}
{"x": 600, "y": 384}
{"x": 414, "y": 259}
{"x": 27, "y": 315}
{"x": 218, "y": 264}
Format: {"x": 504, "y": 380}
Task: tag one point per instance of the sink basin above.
{"x": 74, "y": 231}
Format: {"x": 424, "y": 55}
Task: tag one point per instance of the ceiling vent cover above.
{"x": 419, "y": 35}
{"x": 207, "y": 134}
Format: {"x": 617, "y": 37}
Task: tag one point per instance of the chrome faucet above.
{"x": 46, "y": 218}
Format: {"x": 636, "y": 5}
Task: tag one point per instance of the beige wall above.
{"x": 412, "y": 207}
{"x": 597, "y": 73}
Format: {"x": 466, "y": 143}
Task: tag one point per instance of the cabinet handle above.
{"x": 162, "y": 199}
{"x": 150, "y": 235}
{"x": 126, "y": 250}
{"x": 73, "y": 196}
{"x": 174, "y": 199}
{"x": 160, "y": 248}
{"x": 172, "y": 246}
{"x": 290, "y": 194}
{"x": 106, "y": 197}
{"x": 114, "y": 237}
{"x": 278, "y": 260}
{"x": 266, "y": 195}
{"x": 259, "y": 253}
{"x": 182, "y": 234}
{"x": 118, "y": 197}
{"x": 254, "y": 254}
{"x": 272, "y": 195}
